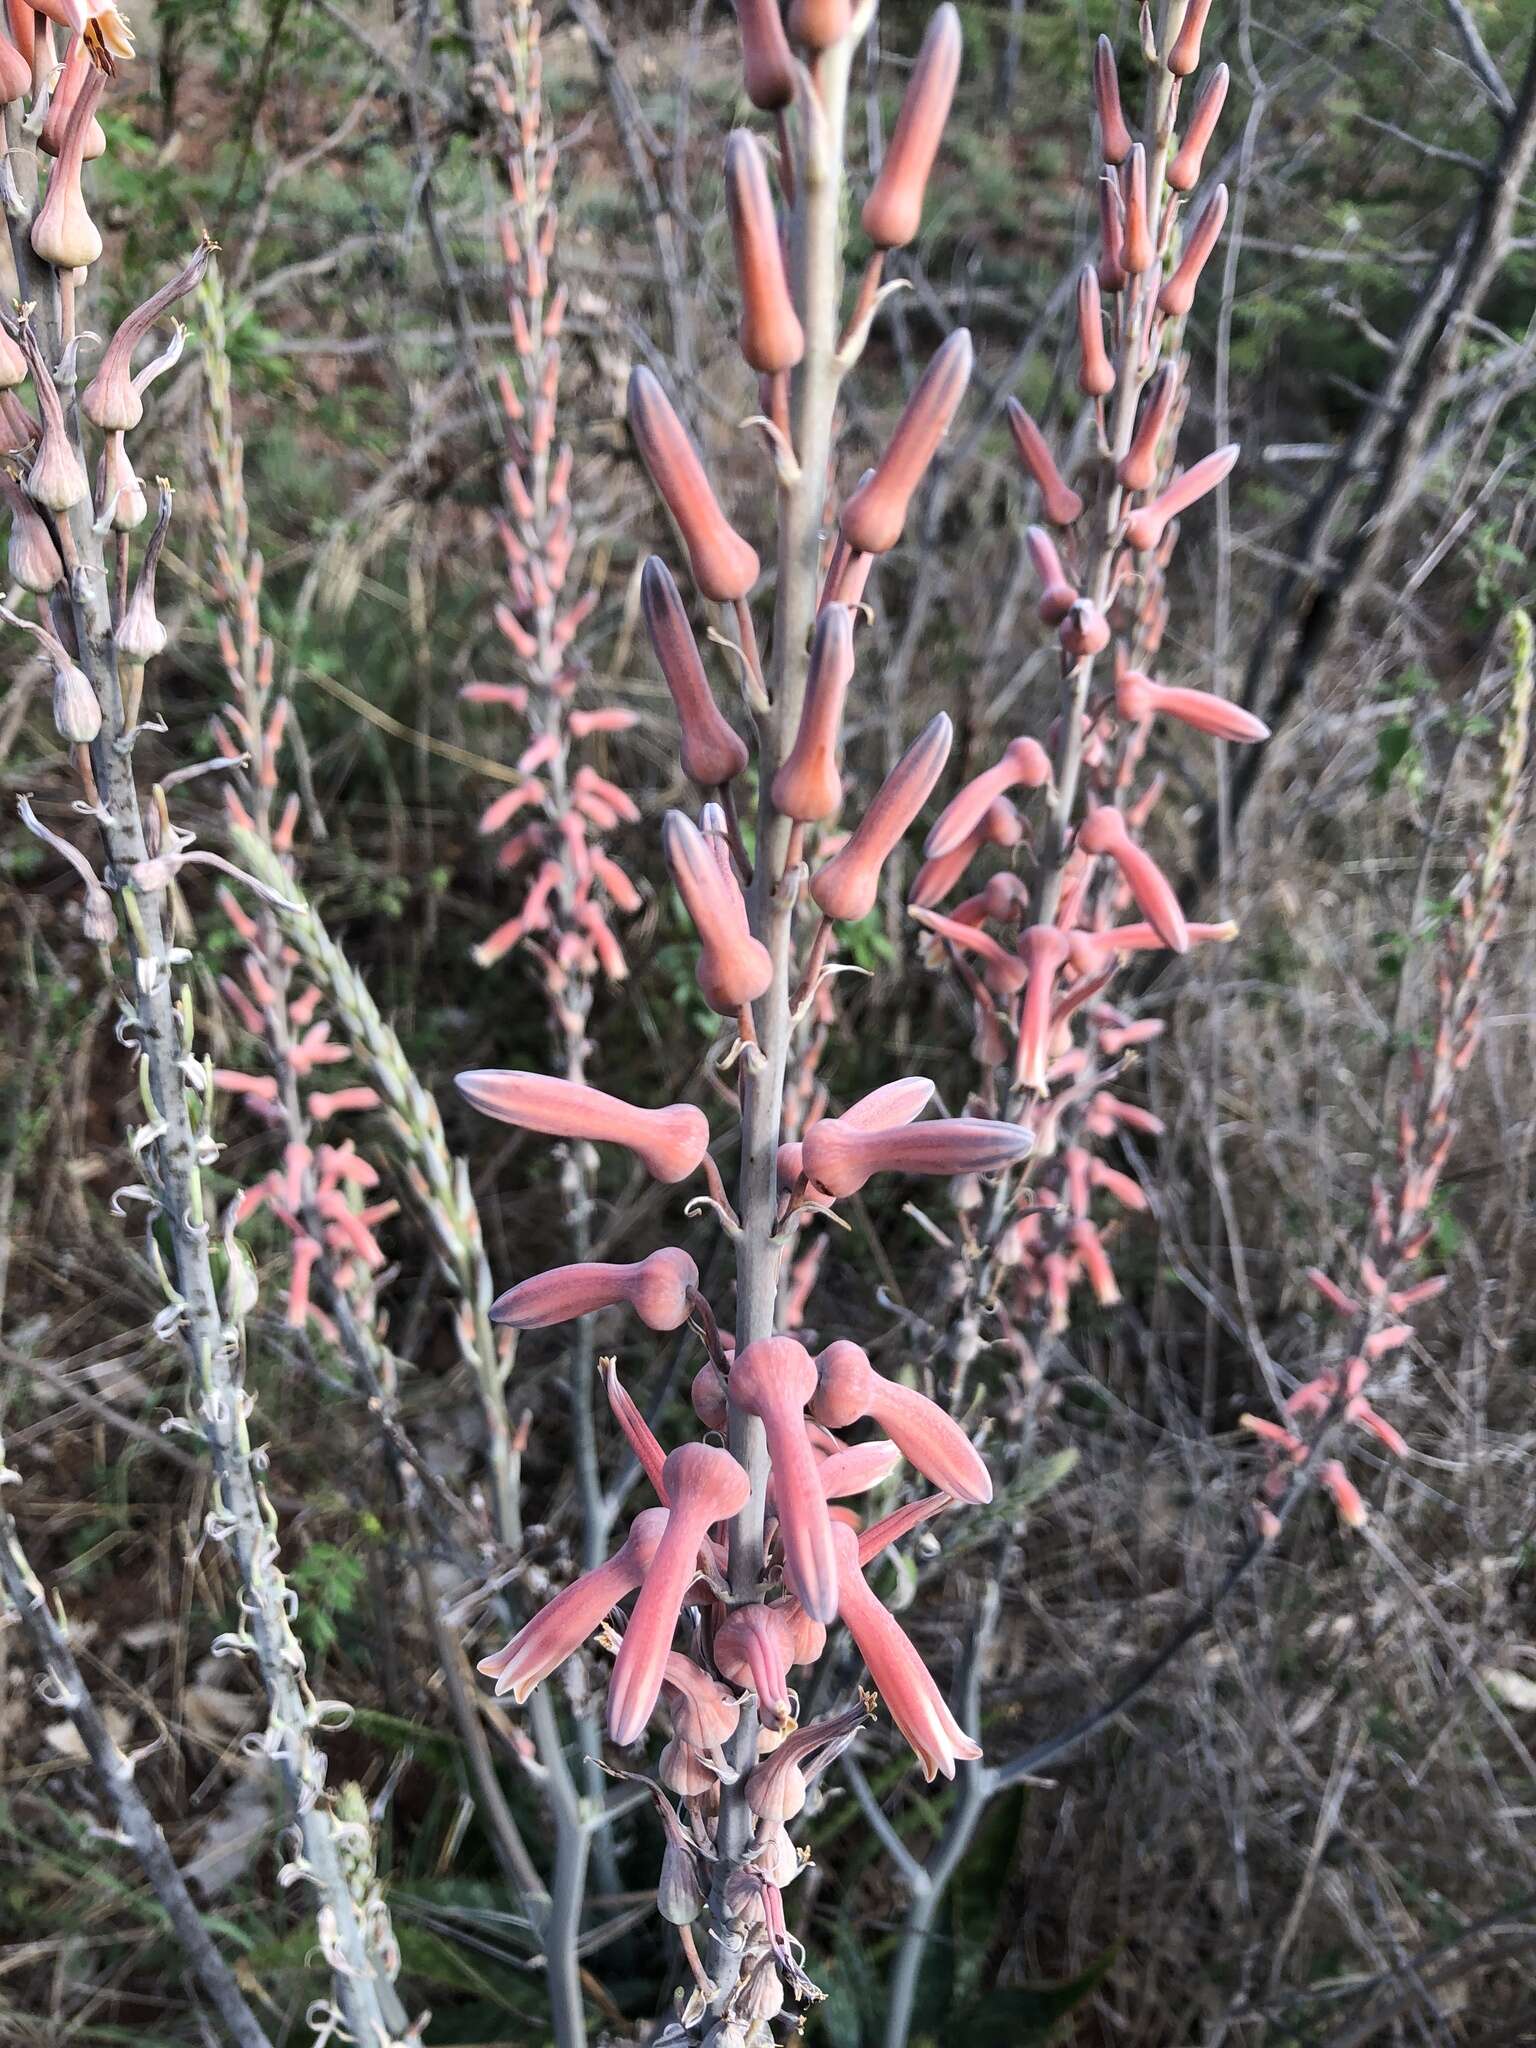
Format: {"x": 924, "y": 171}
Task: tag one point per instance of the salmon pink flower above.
{"x": 771, "y": 336}
{"x": 841, "y": 1158}
{"x": 893, "y": 211}
{"x": 808, "y": 787}
{"x": 659, "y": 1290}
{"x": 846, "y": 887}
{"x": 891, "y": 1528}
{"x": 842, "y": 1474}
{"x": 774, "y": 1379}
{"x": 1057, "y": 596}
{"x": 873, "y": 517}
{"x": 1144, "y": 529}
{"x": 1005, "y": 974}
{"x": 1139, "y": 252}
{"x": 754, "y": 1646}
{"x": 723, "y": 565}
{"x": 898, "y": 1102}
{"x": 559, "y": 1629}
{"x": 1104, "y": 831}
{"x": 668, "y": 1142}
{"x": 704, "y": 1485}
{"x": 1344, "y": 1494}
{"x": 849, "y": 1389}
{"x": 1025, "y": 764}
{"x": 1137, "y": 698}
{"x": 637, "y": 1431}
{"x": 1178, "y": 294}
{"x": 1183, "y": 59}
{"x": 1095, "y": 372}
{"x": 1139, "y": 467}
{"x": 1114, "y": 135}
{"x": 1044, "y": 951}
{"x": 1184, "y": 171}
{"x": 902, "y": 1679}
{"x": 734, "y": 968}
{"x": 713, "y": 753}
{"x": 1060, "y": 502}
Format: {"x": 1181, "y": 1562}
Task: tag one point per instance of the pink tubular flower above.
{"x": 734, "y": 968}
{"x": 1114, "y": 135}
{"x": 754, "y": 1646}
{"x": 1139, "y": 467}
{"x": 883, "y": 1109}
{"x": 849, "y": 1388}
{"x": 1344, "y": 1494}
{"x": 1057, "y": 595}
{"x": 1139, "y": 253}
{"x": 1104, "y": 831}
{"x": 771, "y": 336}
{"x": 844, "y": 1474}
{"x": 559, "y": 1630}
{"x": 1184, "y": 171}
{"x": 841, "y": 1158}
{"x": 891, "y": 1528}
{"x": 807, "y": 787}
{"x": 712, "y": 753}
{"x": 903, "y": 1680}
{"x": 846, "y": 887}
{"x": 724, "y": 566}
{"x": 1178, "y": 294}
{"x": 1060, "y": 502}
{"x": 1004, "y": 973}
{"x": 1183, "y": 59}
{"x": 704, "y": 1485}
{"x": 658, "y": 1289}
{"x": 773, "y": 1379}
{"x": 1145, "y": 529}
{"x": 893, "y": 211}
{"x": 875, "y": 514}
{"x": 668, "y": 1142}
{"x": 1137, "y": 697}
{"x": 1025, "y": 764}
{"x": 637, "y": 1431}
{"x": 1044, "y": 951}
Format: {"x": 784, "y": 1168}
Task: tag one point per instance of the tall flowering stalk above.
{"x": 744, "y": 1566}
{"x": 76, "y": 508}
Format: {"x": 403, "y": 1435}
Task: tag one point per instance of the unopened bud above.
{"x": 894, "y": 209}
{"x": 1114, "y": 136}
{"x": 874, "y": 516}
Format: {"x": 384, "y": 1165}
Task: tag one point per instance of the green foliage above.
{"x": 329, "y": 1581}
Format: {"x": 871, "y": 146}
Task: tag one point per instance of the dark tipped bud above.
{"x": 724, "y": 566}
{"x": 712, "y": 753}
{"x": 1138, "y": 471}
{"x": 1061, "y": 503}
{"x": 847, "y": 886}
{"x": 1139, "y": 251}
{"x": 1114, "y": 136}
{"x": 1184, "y": 171}
{"x": 818, "y": 24}
{"x": 767, "y": 67}
{"x": 771, "y": 336}
{"x": 807, "y": 787}
{"x": 1183, "y": 60}
{"x": 894, "y": 209}
{"x": 1178, "y": 294}
{"x": 1096, "y": 373}
{"x": 875, "y": 514}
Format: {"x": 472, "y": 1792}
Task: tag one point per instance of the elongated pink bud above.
{"x": 1178, "y": 293}
{"x": 637, "y": 1431}
{"x": 1104, "y": 831}
{"x": 1114, "y": 136}
{"x": 849, "y": 1388}
{"x": 1139, "y": 251}
{"x": 1183, "y": 60}
{"x": 1044, "y": 951}
{"x": 668, "y": 1142}
{"x": 712, "y": 753}
{"x": 1095, "y": 373}
{"x": 891, "y": 1528}
{"x": 755, "y": 1646}
{"x": 875, "y": 514}
{"x": 1024, "y": 763}
{"x": 1184, "y": 171}
{"x": 901, "y": 1677}
{"x": 1145, "y": 529}
{"x": 110, "y": 400}
{"x": 734, "y": 968}
{"x": 1060, "y": 502}
{"x": 1138, "y": 469}
{"x": 1110, "y": 268}
{"x": 773, "y": 1379}
{"x": 1138, "y": 697}
{"x": 884, "y": 1109}
{"x": 704, "y": 1485}
{"x": 846, "y": 888}
{"x": 558, "y": 1630}
{"x": 808, "y": 786}
{"x": 767, "y": 66}
{"x": 842, "y": 1159}
{"x": 858, "y": 1469}
{"x": 893, "y": 211}
{"x": 724, "y": 566}
{"x": 818, "y": 24}
{"x": 1057, "y": 596}
{"x": 1004, "y": 972}
{"x": 657, "y": 1289}
{"x": 770, "y": 333}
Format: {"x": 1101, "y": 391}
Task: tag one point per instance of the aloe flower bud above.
{"x": 1184, "y": 171}
{"x": 705, "y": 1485}
{"x": 820, "y": 23}
{"x": 734, "y": 968}
{"x": 724, "y": 566}
{"x": 1057, "y": 596}
{"x": 808, "y": 786}
{"x": 902, "y": 1679}
{"x": 846, "y": 888}
{"x": 1139, "y": 466}
{"x": 1060, "y": 502}
{"x": 63, "y": 233}
{"x": 1104, "y": 831}
{"x": 1024, "y": 762}
{"x": 1114, "y": 136}
{"x": 850, "y": 1389}
{"x": 668, "y": 1142}
{"x": 558, "y": 1630}
{"x": 60, "y": 106}
{"x": 859, "y": 1469}
{"x": 1146, "y": 527}
{"x": 771, "y": 336}
{"x": 1110, "y": 270}
{"x": 754, "y": 1646}
{"x": 658, "y": 1289}
{"x": 15, "y": 71}
{"x": 1183, "y": 60}
{"x": 110, "y": 401}
{"x": 1044, "y": 951}
{"x": 875, "y": 514}
{"x": 712, "y": 753}
{"x": 1139, "y": 250}
{"x": 704, "y": 1714}
{"x": 1137, "y": 697}
{"x": 1178, "y": 293}
{"x": 893, "y": 211}
{"x": 842, "y": 1159}
{"x": 1096, "y": 374}
{"x": 896, "y": 1103}
{"x": 138, "y": 634}
{"x": 773, "y": 1379}
{"x": 768, "y": 68}
{"x": 1084, "y": 631}
{"x": 32, "y": 560}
